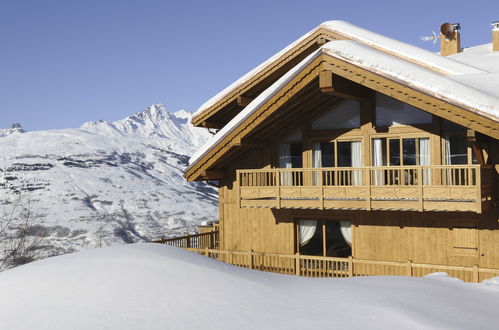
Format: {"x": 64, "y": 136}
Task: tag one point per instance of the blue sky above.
{"x": 63, "y": 63}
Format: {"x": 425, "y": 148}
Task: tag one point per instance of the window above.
{"x": 324, "y": 238}
{"x": 400, "y": 151}
{"x": 338, "y": 154}
{"x": 290, "y": 156}
{"x": 344, "y": 115}
{"x": 388, "y": 151}
{"x": 456, "y": 150}
{"x": 392, "y": 112}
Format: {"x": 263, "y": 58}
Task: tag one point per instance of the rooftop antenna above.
{"x": 434, "y": 37}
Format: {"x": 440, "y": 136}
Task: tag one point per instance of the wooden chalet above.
{"x": 349, "y": 144}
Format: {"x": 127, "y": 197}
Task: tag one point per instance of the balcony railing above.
{"x": 419, "y": 188}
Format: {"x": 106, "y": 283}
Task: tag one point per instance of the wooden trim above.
{"x": 311, "y": 42}
{"x": 461, "y": 115}
{"x": 214, "y": 174}
{"x": 243, "y": 101}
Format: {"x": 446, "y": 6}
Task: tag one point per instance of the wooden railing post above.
{"x": 475, "y": 274}
{"x": 251, "y": 259}
{"x": 350, "y": 266}
{"x": 478, "y": 189}
{"x": 368, "y": 184}
{"x": 420, "y": 188}
{"x": 321, "y": 186}
{"x": 278, "y": 189}
{"x": 297, "y": 264}
{"x": 206, "y": 252}
{"x": 408, "y": 268}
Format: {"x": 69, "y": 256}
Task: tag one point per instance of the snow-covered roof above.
{"x": 460, "y": 89}
{"x": 372, "y": 39}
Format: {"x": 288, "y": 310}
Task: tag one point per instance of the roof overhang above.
{"x": 341, "y": 63}
{"x": 221, "y": 108}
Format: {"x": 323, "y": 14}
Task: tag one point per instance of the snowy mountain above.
{"x": 16, "y": 128}
{"x": 107, "y": 182}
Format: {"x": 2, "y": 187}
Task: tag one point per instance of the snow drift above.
{"x": 152, "y": 286}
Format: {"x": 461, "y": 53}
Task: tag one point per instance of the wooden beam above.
{"x": 470, "y": 134}
{"x": 321, "y": 40}
{"x": 478, "y": 153}
{"x": 248, "y": 143}
{"x": 339, "y": 86}
{"x": 213, "y": 174}
{"x": 212, "y": 124}
{"x": 243, "y": 100}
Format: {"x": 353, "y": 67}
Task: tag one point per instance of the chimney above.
{"x": 450, "y": 39}
{"x": 495, "y": 36}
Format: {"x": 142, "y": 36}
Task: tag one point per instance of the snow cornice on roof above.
{"x": 419, "y": 56}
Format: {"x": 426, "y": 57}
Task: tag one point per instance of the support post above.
{"x": 420, "y": 189}
{"x": 251, "y": 259}
{"x": 475, "y": 274}
{"x": 297, "y": 264}
{"x": 350, "y": 266}
{"x": 206, "y": 252}
{"x": 408, "y": 268}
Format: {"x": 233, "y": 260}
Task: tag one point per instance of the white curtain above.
{"x": 346, "y": 231}
{"x": 424, "y": 159}
{"x": 285, "y": 162}
{"x": 378, "y": 161}
{"x": 306, "y": 230}
{"x": 317, "y": 162}
{"x": 357, "y": 162}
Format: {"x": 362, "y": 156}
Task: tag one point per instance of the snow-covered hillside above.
{"x": 106, "y": 182}
{"x": 153, "y": 286}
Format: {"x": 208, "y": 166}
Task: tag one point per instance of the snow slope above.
{"x": 152, "y": 286}
{"x": 107, "y": 182}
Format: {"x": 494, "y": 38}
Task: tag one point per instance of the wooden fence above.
{"x": 208, "y": 240}
{"x": 314, "y": 266}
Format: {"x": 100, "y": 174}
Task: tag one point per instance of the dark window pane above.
{"x": 409, "y": 150}
{"x": 344, "y": 154}
{"x": 458, "y": 150}
{"x": 327, "y": 153}
{"x": 394, "y": 145}
{"x": 296, "y": 151}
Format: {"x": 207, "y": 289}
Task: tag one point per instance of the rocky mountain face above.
{"x": 104, "y": 183}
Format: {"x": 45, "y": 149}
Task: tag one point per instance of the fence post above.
{"x": 251, "y": 259}
{"x": 408, "y": 268}
{"x": 206, "y": 252}
{"x": 188, "y": 242}
{"x": 420, "y": 189}
{"x": 475, "y": 274}
{"x": 297, "y": 264}
{"x": 350, "y": 266}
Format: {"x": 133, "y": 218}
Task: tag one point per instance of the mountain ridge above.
{"x": 107, "y": 183}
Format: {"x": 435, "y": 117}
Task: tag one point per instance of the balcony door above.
{"x": 392, "y": 152}
{"x": 290, "y": 156}
{"x": 331, "y": 238}
{"x": 337, "y": 154}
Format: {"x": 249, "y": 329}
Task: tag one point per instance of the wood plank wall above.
{"x": 422, "y": 237}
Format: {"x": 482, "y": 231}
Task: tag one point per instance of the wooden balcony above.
{"x": 411, "y": 188}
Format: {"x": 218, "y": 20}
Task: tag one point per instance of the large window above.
{"x": 344, "y": 115}
{"x": 340, "y": 154}
{"x": 392, "y": 112}
{"x": 400, "y": 151}
{"x": 324, "y": 238}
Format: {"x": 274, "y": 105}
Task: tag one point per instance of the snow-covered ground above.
{"x": 105, "y": 183}
{"x": 152, "y": 286}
